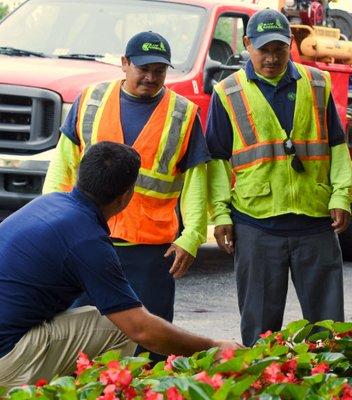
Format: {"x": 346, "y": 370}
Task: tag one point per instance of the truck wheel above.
{"x": 346, "y": 243}
{"x": 343, "y": 20}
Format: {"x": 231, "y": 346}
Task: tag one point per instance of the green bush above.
{"x": 4, "y": 9}
{"x": 303, "y": 361}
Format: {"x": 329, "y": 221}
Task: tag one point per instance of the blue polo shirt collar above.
{"x": 83, "y": 199}
{"x": 291, "y": 72}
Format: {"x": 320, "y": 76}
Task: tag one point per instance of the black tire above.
{"x": 346, "y": 243}
{"x": 343, "y": 20}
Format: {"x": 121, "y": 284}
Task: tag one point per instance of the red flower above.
{"x": 289, "y": 366}
{"x": 119, "y": 377}
{"x": 272, "y": 373}
{"x": 311, "y": 345}
{"x": 82, "y": 363}
{"x": 320, "y": 368}
{"x": 227, "y": 354}
{"x": 169, "y": 360}
{"x": 257, "y": 385}
{"x": 279, "y": 338}
{"x": 107, "y": 396}
{"x": 151, "y": 395}
{"x": 215, "y": 381}
{"x": 346, "y": 392}
{"x": 129, "y": 393}
{"x": 266, "y": 334}
{"x": 173, "y": 394}
{"x": 41, "y": 382}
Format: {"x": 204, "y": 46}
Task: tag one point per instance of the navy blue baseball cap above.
{"x": 268, "y": 26}
{"x": 147, "y": 48}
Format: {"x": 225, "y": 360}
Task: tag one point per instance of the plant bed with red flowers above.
{"x": 302, "y": 361}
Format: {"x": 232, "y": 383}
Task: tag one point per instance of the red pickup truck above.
{"x": 51, "y": 49}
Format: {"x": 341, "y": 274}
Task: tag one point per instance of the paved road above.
{"x": 206, "y": 301}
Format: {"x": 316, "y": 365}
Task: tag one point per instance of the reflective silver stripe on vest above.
{"x": 158, "y": 185}
{"x": 318, "y": 84}
{"x": 174, "y": 134}
{"x": 93, "y": 103}
{"x": 274, "y": 150}
{"x": 233, "y": 91}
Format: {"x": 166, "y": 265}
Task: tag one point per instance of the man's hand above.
{"x": 182, "y": 262}
{"x": 227, "y": 345}
{"x": 341, "y": 219}
{"x": 224, "y": 237}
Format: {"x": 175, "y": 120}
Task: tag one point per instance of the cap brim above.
{"x": 143, "y": 60}
{"x": 262, "y": 40}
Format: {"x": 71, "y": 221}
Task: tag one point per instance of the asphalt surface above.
{"x": 206, "y": 298}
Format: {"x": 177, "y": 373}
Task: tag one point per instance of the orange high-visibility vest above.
{"x": 150, "y": 217}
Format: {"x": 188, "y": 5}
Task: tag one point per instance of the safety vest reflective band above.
{"x": 160, "y": 186}
{"x": 162, "y": 143}
{"x": 276, "y": 150}
{"x": 265, "y": 183}
{"x": 247, "y": 129}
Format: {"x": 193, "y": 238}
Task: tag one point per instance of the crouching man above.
{"x": 57, "y": 247}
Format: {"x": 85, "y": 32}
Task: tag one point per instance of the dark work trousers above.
{"x": 147, "y": 271}
{"x": 262, "y": 265}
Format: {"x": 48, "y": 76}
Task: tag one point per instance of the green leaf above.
{"x": 328, "y": 324}
{"x": 258, "y": 366}
{"x": 233, "y": 365}
{"x": 242, "y": 384}
{"x": 293, "y": 327}
{"x": 330, "y": 358}
{"x": 89, "y": 375}
{"x": 200, "y": 391}
{"x": 342, "y": 327}
{"x": 133, "y": 363}
{"x": 65, "y": 382}
{"x": 278, "y": 350}
{"x": 111, "y": 355}
{"x": 314, "y": 379}
{"x": 181, "y": 364}
{"x": 319, "y": 336}
{"x": 3, "y": 390}
{"x": 305, "y": 359}
{"x": 158, "y": 366}
{"x": 22, "y": 392}
{"x": 300, "y": 335}
{"x": 301, "y": 348}
{"x": 254, "y": 353}
{"x": 206, "y": 359}
{"x": 91, "y": 391}
{"x": 225, "y": 389}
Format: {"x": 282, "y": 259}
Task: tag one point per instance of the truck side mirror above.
{"x": 211, "y": 67}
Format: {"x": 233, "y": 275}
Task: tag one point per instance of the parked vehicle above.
{"x": 51, "y": 49}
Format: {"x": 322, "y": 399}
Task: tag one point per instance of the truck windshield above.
{"x": 101, "y": 27}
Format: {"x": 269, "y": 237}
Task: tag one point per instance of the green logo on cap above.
{"x": 265, "y": 26}
{"x": 154, "y": 46}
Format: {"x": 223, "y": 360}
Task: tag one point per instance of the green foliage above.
{"x": 4, "y": 9}
{"x": 302, "y": 362}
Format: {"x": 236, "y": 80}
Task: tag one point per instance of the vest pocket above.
{"x": 253, "y": 190}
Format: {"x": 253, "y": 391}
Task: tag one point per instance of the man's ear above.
{"x": 124, "y": 63}
{"x": 246, "y": 41}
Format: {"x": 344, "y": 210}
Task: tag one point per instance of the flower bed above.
{"x": 303, "y": 361}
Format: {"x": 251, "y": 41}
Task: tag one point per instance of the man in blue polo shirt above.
{"x": 54, "y": 249}
{"x": 290, "y": 172}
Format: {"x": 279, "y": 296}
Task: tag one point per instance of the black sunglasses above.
{"x": 289, "y": 149}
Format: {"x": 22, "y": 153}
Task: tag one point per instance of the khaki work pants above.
{"x": 52, "y": 347}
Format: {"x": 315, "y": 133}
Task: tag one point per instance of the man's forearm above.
{"x": 340, "y": 178}
{"x": 158, "y": 335}
{"x": 193, "y": 206}
{"x": 62, "y": 171}
{"x": 219, "y": 191}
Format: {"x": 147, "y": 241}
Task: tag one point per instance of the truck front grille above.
{"x": 29, "y": 119}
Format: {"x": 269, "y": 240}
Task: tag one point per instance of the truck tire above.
{"x": 343, "y": 20}
{"x": 346, "y": 243}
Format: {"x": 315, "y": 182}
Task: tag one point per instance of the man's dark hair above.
{"x": 108, "y": 170}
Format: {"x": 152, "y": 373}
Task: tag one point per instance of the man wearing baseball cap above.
{"x": 274, "y": 127}
{"x": 165, "y": 129}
